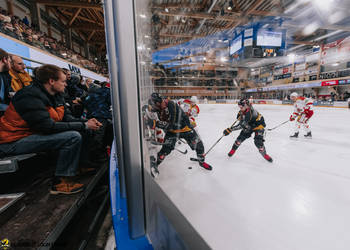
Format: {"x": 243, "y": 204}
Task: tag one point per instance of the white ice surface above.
{"x": 301, "y": 201}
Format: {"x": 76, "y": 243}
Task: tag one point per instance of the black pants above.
{"x": 191, "y": 138}
{"x": 245, "y": 134}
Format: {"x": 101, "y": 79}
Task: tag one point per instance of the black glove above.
{"x": 227, "y": 131}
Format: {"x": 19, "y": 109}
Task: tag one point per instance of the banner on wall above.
{"x": 323, "y": 103}
{"x": 337, "y": 51}
{"x": 330, "y": 83}
{"x": 43, "y": 57}
{"x": 343, "y": 82}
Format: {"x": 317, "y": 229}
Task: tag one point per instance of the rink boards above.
{"x": 300, "y": 201}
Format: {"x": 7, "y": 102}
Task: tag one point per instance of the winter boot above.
{"x": 296, "y": 134}
{"x": 232, "y": 151}
{"x": 308, "y": 135}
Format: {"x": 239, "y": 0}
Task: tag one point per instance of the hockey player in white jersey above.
{"x": 251, "y": 100}
{"x": 190, "y": 107}
{"x": 302, "y": 113}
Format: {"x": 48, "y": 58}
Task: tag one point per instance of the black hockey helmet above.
{"x": 155, "y": 98}
{"x": 243, "y": 101}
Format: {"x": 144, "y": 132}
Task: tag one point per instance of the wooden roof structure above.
{"x": 85, "y": 17}
{"x": 175, "y": 22}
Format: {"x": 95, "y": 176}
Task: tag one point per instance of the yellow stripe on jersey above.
{"x": 185, "y": 129}
{"x": 258, "y": 127}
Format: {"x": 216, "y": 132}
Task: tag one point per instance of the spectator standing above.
{"x": 37, "y": 120}
{"x": 20, "y": 78}
{"x": 5, "y": 81}
{"x": 26, "y": 21}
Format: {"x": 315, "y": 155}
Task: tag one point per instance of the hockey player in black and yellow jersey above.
{"x": 176, "y": 124}
{"x": 250, "y": 121}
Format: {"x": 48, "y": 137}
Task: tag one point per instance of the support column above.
{"x": 49, "y": 31}
{"x": 35, "y": 14}
{"x": 69, "y": 38}
{"x": 86, "y": 50}
{"x": 9, "y": 4}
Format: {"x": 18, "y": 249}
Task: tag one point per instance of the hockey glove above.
{"x": 291, "y": 118}
{"x": 227, "y": 131}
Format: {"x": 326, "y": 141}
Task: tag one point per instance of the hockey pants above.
{"x": 191, "y": 138}
{"x": 302, "y": 122}
{"x": 258, "y": 139}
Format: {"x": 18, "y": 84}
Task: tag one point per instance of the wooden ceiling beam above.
{"x": 253, "y": 7}
{"x": 71, "y": 21}
{"x": 99, "y": 15}
{"x": 181, "y": 35}
{"x": 71, "y": 4}
{"x": 184, "y": 57}
{"x": 165, "y": 46}
{"x": 97, "y": 42}
{"x": 302, "y": 42}
{"x": 175, "y": 6}
{"x": 199, "y": 16}
{"x": 101, "y": 47}
{"x": 62, "y": 17}
{"x": 81, "y": 18}
{"x": 91, "y": 34}
{"x": 88, "y": 27}
{"x": 237, "y": 7}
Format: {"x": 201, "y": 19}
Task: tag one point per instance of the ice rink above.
{"x": 301, "y": 201}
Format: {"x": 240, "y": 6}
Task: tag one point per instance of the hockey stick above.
{"x": 269, "y": 129}
{"x": 159, "y": 143}
{"x": 195, "y": 159}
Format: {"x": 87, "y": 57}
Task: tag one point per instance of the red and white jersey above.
{"x": 190, "y": 108}
{"x": 302, "y": 105}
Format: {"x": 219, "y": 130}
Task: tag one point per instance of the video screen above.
{"x": 269, "y": 38}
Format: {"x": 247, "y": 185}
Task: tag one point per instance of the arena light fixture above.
{"x": 311, "y": 28}
{"x": 323, "y": 5}
{"x": 291, "y": 57}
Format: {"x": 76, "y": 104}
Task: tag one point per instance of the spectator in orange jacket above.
{"x": 20, "y": 78}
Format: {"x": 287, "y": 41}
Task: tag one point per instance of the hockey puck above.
{"x": 189, "y": 167}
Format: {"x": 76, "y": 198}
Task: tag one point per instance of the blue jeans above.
{"x": 67, "y": 144}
